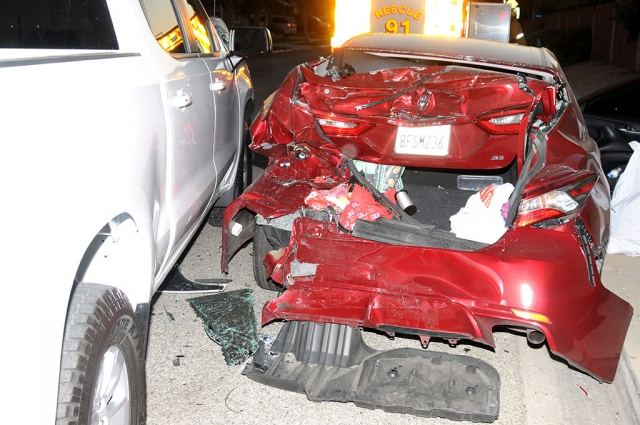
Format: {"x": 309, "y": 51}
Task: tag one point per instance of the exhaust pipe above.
{"x": 535, "y": 337}
{"x": 404, "y": 202}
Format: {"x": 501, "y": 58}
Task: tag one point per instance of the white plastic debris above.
{"x": 625, "y": 209}
{"x": 236, "y": 228}
{"x": 482, "y": 219}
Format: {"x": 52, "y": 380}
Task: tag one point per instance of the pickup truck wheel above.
{"x": 244, "y": 173}
{"x": 261, "y": 247}
{"x": 102, "y": 377}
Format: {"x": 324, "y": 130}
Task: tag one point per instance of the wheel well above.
{"x": 119, "y": 256}
{"x": 249, "y": 108}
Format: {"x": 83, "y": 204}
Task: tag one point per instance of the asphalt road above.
{"x": 190, "y": 383}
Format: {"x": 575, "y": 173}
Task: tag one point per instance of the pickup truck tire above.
{"x": 102, "y": 368}
{"x": 261, "y": 247}
{"x": 244, "y": 173}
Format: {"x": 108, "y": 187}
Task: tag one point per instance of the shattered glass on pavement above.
{"x": 229, "y": 321}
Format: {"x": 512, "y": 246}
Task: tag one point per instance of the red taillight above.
{"x": 582, "y": 190}
{"x": 563, "y": 198}
{"x": 335, "y": 127}
{"x": 508, "y": 122}
{"x": 505, "y": 122}
{"x": 548, "y": 101}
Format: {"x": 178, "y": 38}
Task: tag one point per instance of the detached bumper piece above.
{"x": 331, "y": 362}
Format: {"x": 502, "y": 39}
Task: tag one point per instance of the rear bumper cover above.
{"x": 453, "y": 294}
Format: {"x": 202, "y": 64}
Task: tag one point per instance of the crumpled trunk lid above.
{"x": 419, "y": 103}
{"x": 451, "y": 92}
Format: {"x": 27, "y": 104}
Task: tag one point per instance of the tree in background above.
{"x": 628, "y": 12}
{"x": 530, "y": 8}
{"x": 309, "y": 8}
{"x": 234, "y": 9}
{"x": 303, "y": 12}
{"x": 230, "y": 8}
{"x": 301, "y": 9}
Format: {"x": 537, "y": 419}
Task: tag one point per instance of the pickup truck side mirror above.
{"x": 250, "y": 41}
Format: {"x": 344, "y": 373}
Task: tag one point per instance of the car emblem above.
{"x": 423, "y": 102}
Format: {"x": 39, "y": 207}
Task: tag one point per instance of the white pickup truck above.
{"x": 123, "y": 122}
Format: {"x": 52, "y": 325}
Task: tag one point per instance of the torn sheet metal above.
{"x": 229, "y": 321}
{"x": 330, "y": 362}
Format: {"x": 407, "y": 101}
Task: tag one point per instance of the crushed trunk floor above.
{"x": 331, "y": 362}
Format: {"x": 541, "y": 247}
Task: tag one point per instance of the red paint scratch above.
{"x": 584, "y": 391}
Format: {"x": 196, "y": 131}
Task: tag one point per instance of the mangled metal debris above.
{"x": 229, "y": 321}
{"x": 330, "y": 362}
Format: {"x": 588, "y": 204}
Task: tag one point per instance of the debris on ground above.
{"x": 331, "y": 362}
{"x": 229, "y": 321}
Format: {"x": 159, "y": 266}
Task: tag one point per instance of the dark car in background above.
{"x": 612, "y": 115}
{"x": 283, "y": 25}
{"x": 318, "y": 26}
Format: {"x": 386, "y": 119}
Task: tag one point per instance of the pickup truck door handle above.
{"x": 181, "y": 100}
{"x": 217, "y": 85}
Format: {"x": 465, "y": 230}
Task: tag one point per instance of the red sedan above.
{"x": 434, "y": 187}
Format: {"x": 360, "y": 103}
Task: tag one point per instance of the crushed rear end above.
{"x": 367, "y": 122}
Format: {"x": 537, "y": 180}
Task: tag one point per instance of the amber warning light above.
{"x": 433, "y": 17}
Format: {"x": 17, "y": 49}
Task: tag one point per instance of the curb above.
{"x": 627, "y": 391}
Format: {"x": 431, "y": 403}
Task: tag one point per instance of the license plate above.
{"x": 432, "y": 141}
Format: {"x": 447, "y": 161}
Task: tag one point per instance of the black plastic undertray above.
{"x": 330, "y": 362}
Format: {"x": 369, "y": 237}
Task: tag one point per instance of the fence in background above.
{"x": 609, "y": 37}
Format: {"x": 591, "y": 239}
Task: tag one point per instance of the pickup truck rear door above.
{"x": 223, "y": 90}
{"x": 192, "y": 108}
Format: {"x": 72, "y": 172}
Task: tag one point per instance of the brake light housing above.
{"x": 548, "y": 101}
{"x": 501, "y": 123}
{"x": 338, "y": 126}
{"x": 562, "y": 198}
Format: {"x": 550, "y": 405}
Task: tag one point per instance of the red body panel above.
{"x": 455, "y": 294}
{"x": 436, "y": 292}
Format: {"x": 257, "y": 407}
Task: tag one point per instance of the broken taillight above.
{"x": 560, "y": 199}
{"x": 333, "y": 127}
{"x": 548, "y": 101}
{"x": 506, "y": 122}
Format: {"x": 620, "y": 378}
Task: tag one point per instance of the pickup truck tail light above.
{"x": 558, "y": 200}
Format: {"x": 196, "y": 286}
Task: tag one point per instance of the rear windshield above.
{"x": 56, "y": 24}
